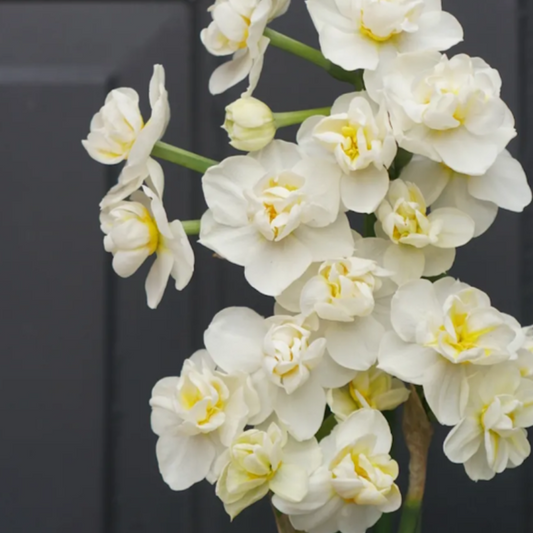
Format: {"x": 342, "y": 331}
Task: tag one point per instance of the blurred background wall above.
{"x": 79, "y": 349}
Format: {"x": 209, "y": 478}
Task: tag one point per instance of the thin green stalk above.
{"x": 314, "y": 56}
{"x": 297, "y": 117}
{"x": 410, "y": 520}
{"x": 182, "y": 157}
{"x": 191, "y": 227}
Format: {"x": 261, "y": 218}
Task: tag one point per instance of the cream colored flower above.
{"x": 195, "y": 416}
{"x": 423, "y": 243}
{"x": 138, "y": 228}
{"x": 118, "y": 131}
{"x": 261, "y": 461}
{"x": 492, "y": 437}
{"x": 373, "y": 389}
{"x": 355, "y": 483}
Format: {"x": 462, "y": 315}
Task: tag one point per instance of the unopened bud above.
{"x": 250, "y": 124}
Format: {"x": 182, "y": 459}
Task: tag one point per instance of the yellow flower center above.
{"x": 466, "y": 340}
{"x": 153, "y": 232}
{"x": 244, "y": 42}
{"x": 350, "y": 146}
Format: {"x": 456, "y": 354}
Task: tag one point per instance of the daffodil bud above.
{"x": 250, "y": 124}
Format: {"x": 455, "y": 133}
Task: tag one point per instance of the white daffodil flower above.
{"x": 250, "y": 124}
{"x": 442, "y": 333}
{"x": 274, "y": 212}
{"x": 355, "y": 483}
{"x": 359, "y": 34}
{"x": 197, "y": 415}
{"x": 287, "y": 360}
{"x": 503, "y": 185}
{"x": 118, "y": 132}
{"x": 449, "y": 110}
{"x": 139, "y": 228}
{"x": 358, "y": 137}
{"x": 261, "y": 461}
{"x": 237, "y": 29}
{"x": 491, "y": 436}
{"x": 372, "y": 389}
{"x": 423, "y": 244}
{"x": 351, "y": 296}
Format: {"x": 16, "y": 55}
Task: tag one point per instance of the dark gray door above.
{"x": 79, "y": 349}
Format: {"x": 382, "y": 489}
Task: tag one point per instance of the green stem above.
{"x": 297, "y": 117}
{"x": 191, "y": 227}
{"x": 182, "y": 157}
{"x": 410, "y": 520}
{"x": 314, "y": 56}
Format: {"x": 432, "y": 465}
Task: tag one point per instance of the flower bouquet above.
{"x": 298, "y": 407}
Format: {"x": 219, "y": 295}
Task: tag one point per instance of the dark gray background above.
{"x": 79, "y": 349}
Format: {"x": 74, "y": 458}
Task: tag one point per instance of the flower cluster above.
{"x": 291, "y": 405}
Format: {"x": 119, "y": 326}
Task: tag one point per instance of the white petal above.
{"x": 363, "y": 190}
{"x": 464, "y": 152}
{"x": 181, "y": 249}
{"x": 437, "y": 30}
{"x": 355, "y": 344}
{"x": 457, "y": 194}
{"x": 151, "y": 133}
{"x": 326, "y": 12}
{"x": 446, "y": 391}
{"x": 290, "y": 482}
{"x": 231, "y": 243}
{"x": 235, "y": 338}
{"x": 358, "y": 518}
{"x": 477, "y": 468}
{"x": 306, "y": 454}
{"x": 322, "y": 179}
{"x": 317, "y": 499}
{"x": 334, "y": 240}
{"x": 224, "y": 185}
{"x": 463, "y": 441}
{"x": 278, "y": 156}
{"x": 257, "y": 65}
{"x": 157, "y": 278}
{"x": 405, "y": 261}
{"x": 332, "y": 375}
{"x": 289, "y": 299}
{"x": 457, "y": 227}
{"x": 127, "y": 262}
{"x": 184, "y": 461}
{"x": 303, "y": 410}
{"x": 429, "y": 176}
{"x": 408, "y": 362}
{"x": 349, "y": 50}
{"x": 505, "y": 184}
{"x": 307, "y": 142}
{"x": 362, "y": 423}
{"x": 272, "y": 266}
{"x": 230, "y": 73}
{"x": 413, "y": 305}
{"x": 438, "y": 260}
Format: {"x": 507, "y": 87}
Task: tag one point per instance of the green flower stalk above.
{"x": 251, "y": 125}
{"x": 314, "y": 56}
{"x": 182, "y": 157}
